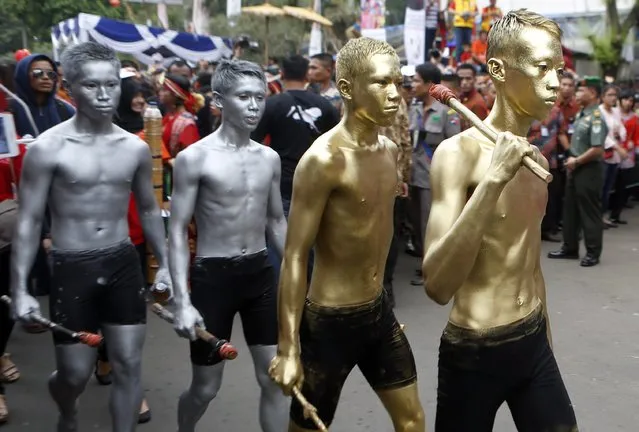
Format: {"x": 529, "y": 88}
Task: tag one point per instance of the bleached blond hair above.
{"x": 352, "y": 59}
{"x": 503, "y": 37}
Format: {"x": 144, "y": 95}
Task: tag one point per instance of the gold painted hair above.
{"x": 352, "y": 59}
{"x": 503, "y": 35}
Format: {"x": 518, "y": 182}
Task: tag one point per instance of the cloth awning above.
{"x": 143, "y": 42}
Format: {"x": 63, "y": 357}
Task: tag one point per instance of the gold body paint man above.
{"x": 342, "y": 205}
{"x": 483, "y": 247}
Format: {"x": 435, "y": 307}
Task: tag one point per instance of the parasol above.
{"x": 267, "y": 11}
{"x": 307, "y": 14}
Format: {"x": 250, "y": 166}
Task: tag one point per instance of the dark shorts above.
{"x": 336, "y": 339}
{"x": 222, "y": 287}
{"x": 95, "y": 287}
{"x": 480, "y": 370}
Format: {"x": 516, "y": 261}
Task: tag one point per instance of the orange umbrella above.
{"x": 266, "y": 10}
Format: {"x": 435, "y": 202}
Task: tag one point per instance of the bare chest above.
{"x": 85, "y": 167}
{"x": 237, "y": 175}
{"x": 367, "y": 189}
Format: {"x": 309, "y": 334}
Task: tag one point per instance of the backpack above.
{"x": 8, "y": 219}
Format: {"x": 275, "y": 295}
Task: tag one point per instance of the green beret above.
{"x": 591, "y": 81}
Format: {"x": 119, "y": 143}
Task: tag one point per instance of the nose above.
{"x": 252, "y": 104}
{"x": 393, "y": 93}
{"x": 554, "y": 83}
{"x": 102, "y": 93}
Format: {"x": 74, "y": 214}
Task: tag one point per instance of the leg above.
{"x": 588, "y": 184}
{"x": 415, "y": 219}
{"x": 74, "y": 364}
{"x": 610, "y": 174}
{"x": 404, "y": 407}
{"x": 459, "y": 36}
{"x": 273, "y": 404}
{"x": 424, "y": 213}
{"x": 6, "y": 323}
{"x": 543, "y": 404}
{"x": 205, "y": 384}
{"x": 572, "y": 219}
{"x": 125, "y": 344}
{"x": 389, "y": 367}
{"x": 619, "y": 197}
{"x": 259, "y": 321}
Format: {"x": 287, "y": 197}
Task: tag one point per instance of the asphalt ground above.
{"x": 595, "y": 320}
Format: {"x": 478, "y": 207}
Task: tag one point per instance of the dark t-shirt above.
{"x": 293, "y": 120}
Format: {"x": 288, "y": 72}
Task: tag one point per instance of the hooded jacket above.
{"x": 45, "y": 116}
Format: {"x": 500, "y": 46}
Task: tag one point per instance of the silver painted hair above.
{"x": 75, "y": 56}
{"x": 229, "y": 71}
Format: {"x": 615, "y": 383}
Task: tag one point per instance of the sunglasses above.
{"x": 39, "y": 74}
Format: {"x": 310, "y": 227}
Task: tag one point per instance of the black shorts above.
{"x": 336, "y": 339}
{"x": 94, "y": 287}
{"x": 222, "y": 287}
{"x": 480, "y": 370}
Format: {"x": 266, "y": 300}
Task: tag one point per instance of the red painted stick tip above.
{"x": 228, "y": 351}
{"x": 442, "y": 93}
{"x": 91, "y": 339}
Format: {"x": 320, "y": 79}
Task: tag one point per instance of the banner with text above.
{"x": 415, "y": 35}
{"x": 373, "y": 18}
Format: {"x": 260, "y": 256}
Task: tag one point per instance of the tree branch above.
{"x": 630, "y": 21}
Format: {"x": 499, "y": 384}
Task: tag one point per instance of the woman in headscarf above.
{"x": 129, "y": 117}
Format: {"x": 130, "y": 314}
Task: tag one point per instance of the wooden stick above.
{"x": 309, "y": 410}
{"x": 446, "y": 96}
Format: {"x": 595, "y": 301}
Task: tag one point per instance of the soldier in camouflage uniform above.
{"x": 582, "y": 203}
{"x": 399, "y": 134}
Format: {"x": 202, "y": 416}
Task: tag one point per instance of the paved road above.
{"x": 594, "y": 315}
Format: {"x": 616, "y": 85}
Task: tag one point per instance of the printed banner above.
{"x": 233, "y": 8}
{"x": 373, "y": 14}
{"x": 415, "y": 36}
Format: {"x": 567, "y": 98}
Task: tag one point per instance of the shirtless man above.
{"x": 343, "y": 196}
{"x": 232, "y": 186}
{"x": 483, "y": 248}
{"x": 85, "y": 169}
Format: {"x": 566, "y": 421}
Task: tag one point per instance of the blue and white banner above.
{"x": 143, "y": 42}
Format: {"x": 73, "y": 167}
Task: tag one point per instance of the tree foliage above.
{"x": 608, "y": 47}
{"x": 36, "y": 17}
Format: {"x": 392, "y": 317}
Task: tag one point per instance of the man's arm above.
{"x": 148, "y": 207}
{"x": 276, "y": 223}
{"x": 186, "y": 176}
{"x": 541, "y": 293}
{"x": 455, "y": 227}
{"x": 312, "y": 185}
{"x": 37, "y": 176}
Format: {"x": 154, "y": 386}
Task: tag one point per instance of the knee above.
{"x": 414, "y": 421}
{"x": 203, "y": 393}
{"x": 127, "y": 369}
{"x": 265, "y": 382}
{"x": 75, "y": 378}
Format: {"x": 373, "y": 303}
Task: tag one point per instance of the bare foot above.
{"x": 4, "y": 410}
{"x": 145, "y": 412}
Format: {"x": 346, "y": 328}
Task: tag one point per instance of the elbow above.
{"x": 437, "y": 295}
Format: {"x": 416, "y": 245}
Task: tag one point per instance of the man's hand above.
{"x": 508, "y": 156}
{"x": 46, "y": 244}
{"x": 403, "y": 190}
{"x": 186, "y": 318}
{"x": 570, "y": 164}
{"x": 24, "y": 308}
{"x": 163, "y": 282}
{"x": 287, "y": 372}
{"x": 623, "y": 154}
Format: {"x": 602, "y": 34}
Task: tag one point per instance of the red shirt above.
{"x": 476, "y": 103}
{"x": 6, "y": 192}
{"x": 632, "y": 135}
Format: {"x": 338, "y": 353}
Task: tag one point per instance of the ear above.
{"x": 496, "y": 70}
{"x": 217, "y": 100}
{"x": 345, "y": 89}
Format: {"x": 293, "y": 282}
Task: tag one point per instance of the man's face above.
{"x": 420, "y": 88}
{"x": 97, "y": 89}
{"x": 466, "y": 80}
{"x": 42, "y": 76}
{"x": 532, "y": 77}
{"x": 317, "y": 72}
{"x": 481, "y": 83}
{"x": 567, "y": 88}
{"x": 483, "y": 36}
{"x": 585, "y": 96}
{"x": 375, "y": 94}
{"x": 243, "y": 105}
{"x": 184, "y": 71}
{"x": 627, "y": 104}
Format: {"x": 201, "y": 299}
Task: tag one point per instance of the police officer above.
{"x": 582, "y": 203}
{"x": 431, "y": 123}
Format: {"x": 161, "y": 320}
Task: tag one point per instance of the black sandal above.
{"x": 105, "y": 379}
